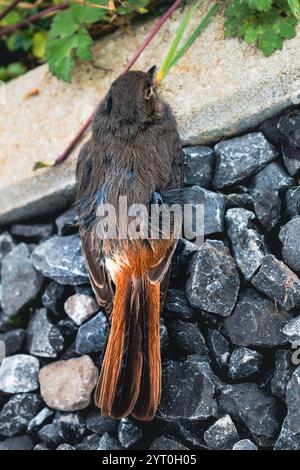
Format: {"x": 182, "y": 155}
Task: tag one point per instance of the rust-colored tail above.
{"x": 130, "y": 378}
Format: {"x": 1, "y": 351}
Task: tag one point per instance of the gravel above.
{"x": 241, "y": 157}
{"x": 222, "y": 434}
{"x": 21, "y": 283}
{"x": 19, "y": 374}
{"x": 230, "y": 326}
{"x": 199, "y": 162}
{"x": 256, "y": 322}
{"x": 61, "y": 259}
{"x": 213, "y": 282}
{"x": 252, "y": 407}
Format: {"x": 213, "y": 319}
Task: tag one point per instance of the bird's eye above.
{"x": 149, "y": 92}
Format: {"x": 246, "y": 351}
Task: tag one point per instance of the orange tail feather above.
{"x": 130, "y": 378}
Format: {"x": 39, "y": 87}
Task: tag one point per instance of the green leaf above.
{"x": 13, "y": 70}
{"x": 19, "y": 40}
{"x": 39, "y": 44}
{"x": 60, "y": 53}
{"x": 231, "y": 26}
{"x": 260, "y": 5}
{"x": 270, "y": 42}
{"x": 132, "y": 5}
{"x": 295, "y": 8}
{"x": 251, "y": 35}
{"x": 63, "y": 25}
{"x": 38, "y": 165}
{"x": 287, "y": 28}
{"x": 84, "y": 48}
{"x": 60, "y": 57}
{"x": 238, "y": 9}
{"x": 84, "y": 14}
{"x": 11, "y": 18}
{"x": 177, "y": 38}
{"x": 267, "y": 23}
{"x": 195, "y": 34}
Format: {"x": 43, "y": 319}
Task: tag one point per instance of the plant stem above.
{"x": 129, "y": 64}
{"x": 33, "y": 18}
{"x": 151, "y": 35}
{"x": 9, "y": 8}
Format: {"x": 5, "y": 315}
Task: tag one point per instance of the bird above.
{"x": 135, "y": 152}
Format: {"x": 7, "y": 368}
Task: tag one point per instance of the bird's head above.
{"x": 131, "y": 99}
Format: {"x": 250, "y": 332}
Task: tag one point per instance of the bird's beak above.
{"x": 151, "y": 72}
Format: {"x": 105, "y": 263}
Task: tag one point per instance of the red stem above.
{"x": 32, "y": 18}
{"x": 9, "y": 8}
{"x": 129, "y": 64}
{"x": 151, "y": 35}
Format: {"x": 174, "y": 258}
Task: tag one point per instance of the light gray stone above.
{"x": 43, "y": 338}
{"x": 213, "y": 281}
{"x": 222, "y": 434}
{"x": 128, "y": 433}
{"x": 17, "y": 412}
{"x": 108, "y": 442}
{"x": 248, "y": 243}
{"x": 65, "y": 220}
{"x": 61, "y": 259}
{"x": 21, "y": 283}
{"x": 292, "y": 329}
{"x": 80, "y": 307}
{"x": 19, "y": 374}
{"x": 214, "y": 207}
{"x": 241, "y": 157}
{"x": 65, "y": 447}
{"x": 243, "y": 363}
{"x": 244, "y": 444}
{"x": 199, "y": 161}
{"x": 38, "y": 420}
{"x": 279, "y": 282}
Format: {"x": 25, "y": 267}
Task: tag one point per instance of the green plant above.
{"x": 174, "y": 54}
{"x": 62, "y": 32}
{"x": 59, "y": 31}
{"x": 263, "y": 22}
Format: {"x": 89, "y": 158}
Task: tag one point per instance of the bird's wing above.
{"x": 91, "y": 246}
{"x": 99, "y": 275}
